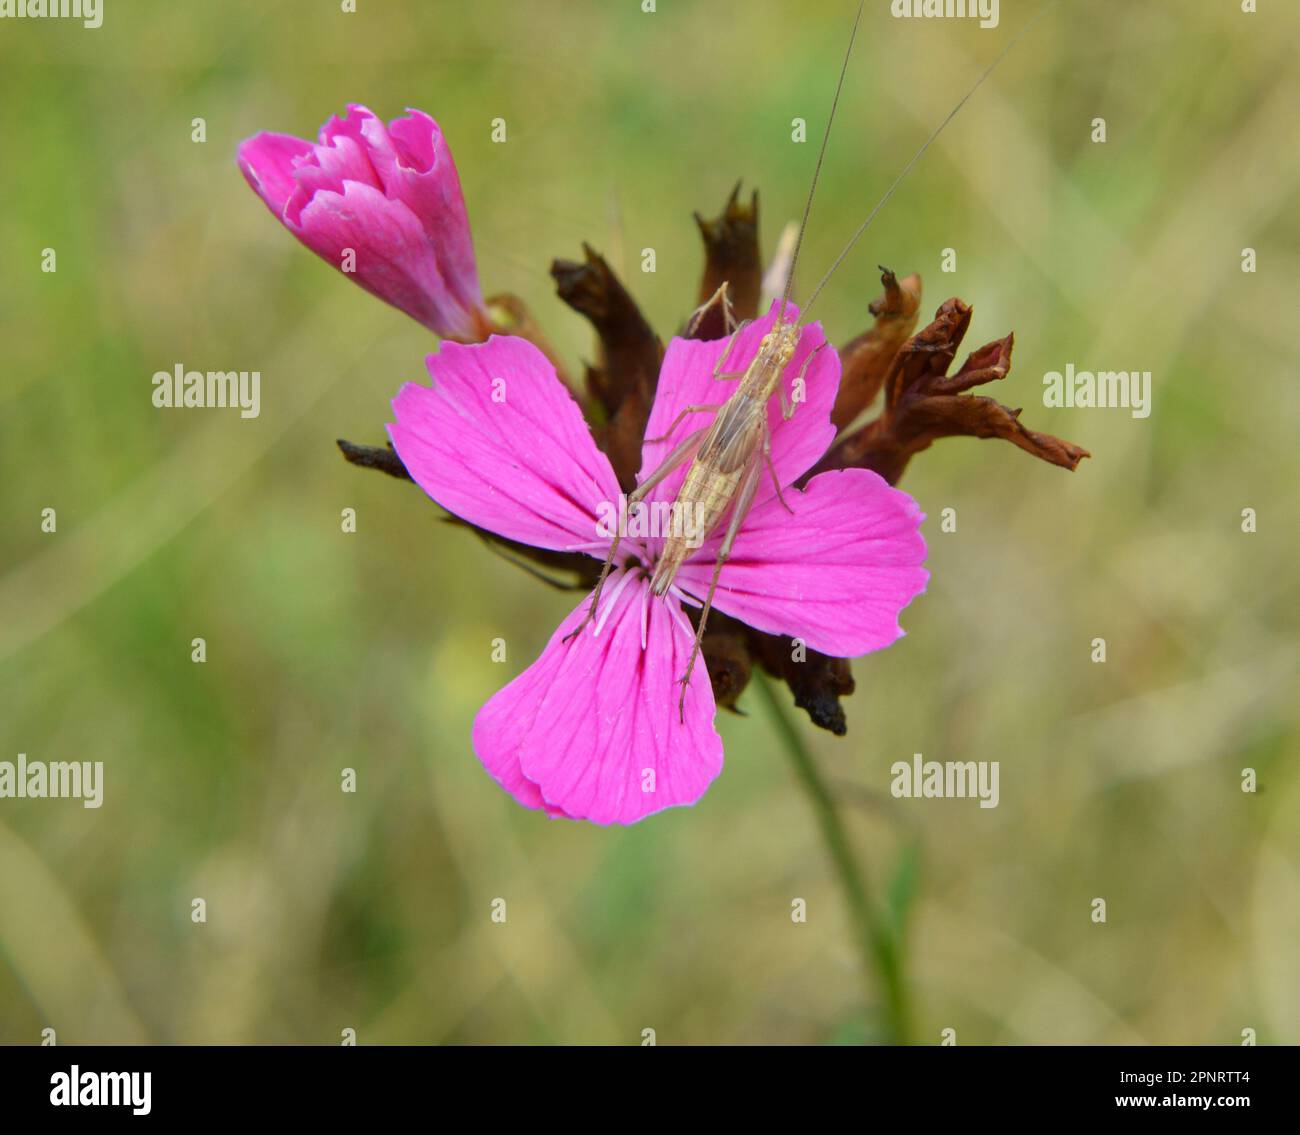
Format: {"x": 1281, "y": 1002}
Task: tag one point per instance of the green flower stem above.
{"x": 875, "y": 939}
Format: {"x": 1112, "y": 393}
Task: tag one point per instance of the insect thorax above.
{"x": 774, "y": 354}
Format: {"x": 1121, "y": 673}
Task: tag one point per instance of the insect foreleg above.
{"x": 744, "y": 498}
{"x": 718, "y": 373}
{"x": 684, "y": 452}
{"x": 787, "y": 406}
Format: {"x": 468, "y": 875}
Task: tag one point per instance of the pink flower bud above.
{"x": 382, "y": 204}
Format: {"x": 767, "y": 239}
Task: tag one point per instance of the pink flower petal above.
{"x": 329, "y": 169}
{"x": 686, "y": 378}
{"x": 267, "y": 162}
{"x": 412, "y": 164}
{"x": 593, "y": 723}
{"x": 352, "y": 125}
{"x": 417, "y": 169}
{"x": 523, "y": 463}
{"x": 393, "y": 258}
{"x": 503, "y": 724}
{"x": 835, "y": 574}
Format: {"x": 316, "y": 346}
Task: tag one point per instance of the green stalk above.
{"x": 874, "y": 938}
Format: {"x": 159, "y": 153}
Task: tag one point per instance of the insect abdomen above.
{"x": 703, "y": 499}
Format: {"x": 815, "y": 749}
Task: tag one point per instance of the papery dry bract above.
{"x": 622, "y": 382}
{"x": 923, "y": 403}
{"x": 866, "y": 359}
{"x": 731, "y": 253}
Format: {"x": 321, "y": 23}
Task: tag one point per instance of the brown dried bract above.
{"x": 922, "y": 404}
{"x": 727, "y": 654}
{"x": 818, "y": 681}
{"x": 381, "y": 457}
{"x": 622, "y": 382}
{"x": 731, "y": 254}
{"x": 865, "y": 361}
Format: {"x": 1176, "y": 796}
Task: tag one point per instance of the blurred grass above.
{"x": 372, "y": 650}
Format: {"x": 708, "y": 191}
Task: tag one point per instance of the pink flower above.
{"x": 391, "y": 194}
{"x": 591, "y": 729}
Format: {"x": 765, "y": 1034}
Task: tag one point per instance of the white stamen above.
{"x": 611, "y": 601}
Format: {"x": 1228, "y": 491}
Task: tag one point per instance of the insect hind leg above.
{"x": 682, "y": 453}
{"x": 745, "y": 498}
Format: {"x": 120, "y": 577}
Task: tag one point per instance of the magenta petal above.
{"x": 329, "y": 168}
{"x": 412, "y": 164}
{"x": 353, "y": 124}
{"x": 268, "y": 162}
{"x": 836, "y": 574}
{"x": 393, "y": 260}
{"x": 499, "y": 441}
{"x": 504, "y": 722}
{"x": 686, "y": 378}
{"x": 593, "y": 723}
{"x": 416, "y": 168}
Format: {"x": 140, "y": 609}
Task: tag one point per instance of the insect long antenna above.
{"x": 826, "y": 135}
{"x": 916, "y": 157}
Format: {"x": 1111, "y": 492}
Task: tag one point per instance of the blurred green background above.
{"x": 371, "y": 911}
